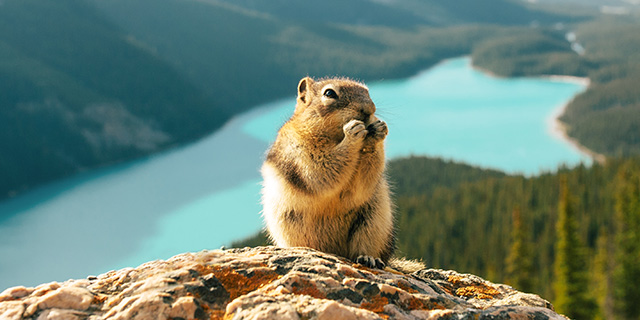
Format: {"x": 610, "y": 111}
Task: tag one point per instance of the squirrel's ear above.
{"x": 303, "y": 89}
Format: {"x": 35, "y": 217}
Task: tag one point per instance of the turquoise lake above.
{"x": 206, "y": 194}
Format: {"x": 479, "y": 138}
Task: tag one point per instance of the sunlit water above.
{"x": 206, "y": 195}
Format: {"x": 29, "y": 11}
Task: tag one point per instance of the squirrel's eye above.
{"x": 330, "y": 93}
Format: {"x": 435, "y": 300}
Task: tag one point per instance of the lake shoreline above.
{"x": 558, "y": 128}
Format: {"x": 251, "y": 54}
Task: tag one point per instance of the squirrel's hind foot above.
{"x": 370, "y": 262}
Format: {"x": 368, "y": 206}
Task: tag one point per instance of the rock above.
{"x": 271, "y": 283}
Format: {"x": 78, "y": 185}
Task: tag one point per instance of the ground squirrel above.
{"x": 324, "y": 177}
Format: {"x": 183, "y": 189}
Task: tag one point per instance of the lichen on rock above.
{"x": 271, "y": 283}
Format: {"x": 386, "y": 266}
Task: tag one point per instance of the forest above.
{"x": 506, "y": 228}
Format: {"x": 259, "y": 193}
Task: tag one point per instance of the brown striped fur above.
{"x": 324, "y": 177}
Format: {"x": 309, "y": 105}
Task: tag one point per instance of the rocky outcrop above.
{"x": 271, "y": 283}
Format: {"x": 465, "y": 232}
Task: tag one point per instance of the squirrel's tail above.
{"x": 405, "y": 265}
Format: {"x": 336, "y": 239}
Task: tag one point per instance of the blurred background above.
{"x": 133, "y": 130}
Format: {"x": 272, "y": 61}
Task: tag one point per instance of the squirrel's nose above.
{"x": 368, "y": 109}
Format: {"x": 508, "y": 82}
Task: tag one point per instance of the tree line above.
{"x": 572, "y": 236}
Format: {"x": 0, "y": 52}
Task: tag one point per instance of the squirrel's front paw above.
{"x": 378, "y": 130}
{"x": 355, "y": 129}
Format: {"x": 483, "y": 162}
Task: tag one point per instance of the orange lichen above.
{"x": 375, "y": 304}
{"x": 406, "y": 286}
{"x": 455, "y": 280}
{"x": 99, "y": 299}
{"x": 303, "y": 286}
{"x": 348, "y": 272}
{"x": 237, "y": 284}
{"x": 414, "y": 304}
{"x": 480, "y": 292}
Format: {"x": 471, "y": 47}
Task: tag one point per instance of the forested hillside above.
{"x": 453, "y": 216}
{"x": 76, "y": 93}
{"x": 467, "y": 226}
{"x": 471, "y": 226}
{"x": 607, "y": 117}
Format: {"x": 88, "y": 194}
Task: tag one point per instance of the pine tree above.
{"x": 601, "y": 277}
{"x": 571, "y": 281}
{"x": 627, "y": 272}
{"x": 519, "y": 261}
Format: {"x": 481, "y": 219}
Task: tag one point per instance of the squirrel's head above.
{"x": 334, "y": 102}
